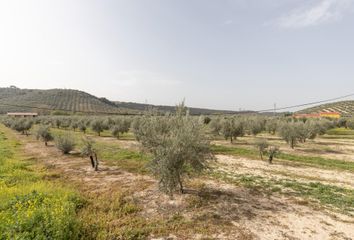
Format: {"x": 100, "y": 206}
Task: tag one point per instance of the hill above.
{"x": 46, "y": 101}
{"x": 14, "y": 99}
{"x": 346, "y": 108}
{"x": 163, "y": 108}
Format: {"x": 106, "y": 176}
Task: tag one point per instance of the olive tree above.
{"x": 89, "y": 150}
{"x": 44, "y": 134}
{"x": 255, "y": 125}
{"x": 233, "y": 128}
{"x": 261, "y": 145}
{"x": 350, "y": 123}
{"x": 120, "y": 126}
{"x": 22, "y": 126}
{"x": 65, "y": 143}
{"x": 74, "y": 125}
{"x": 215, "y": 125}
{"x": 272, "y": 152}
{"x": 178, "y": 145}
{"x": 82, "y": 127}
{"x": 271, "y": 126}
{"x": 98, "y": 126}
{"x": 289, "y": 132}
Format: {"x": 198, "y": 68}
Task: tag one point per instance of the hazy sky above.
{"x": 225, "y": 54}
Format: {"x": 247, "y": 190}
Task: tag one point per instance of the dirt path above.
{"x": 240, "y": 213}
{"x": 280, "y": 171}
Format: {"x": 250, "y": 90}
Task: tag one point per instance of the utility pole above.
{"x": 275, "y": 109}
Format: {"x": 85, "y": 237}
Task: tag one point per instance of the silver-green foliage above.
{"x": 178, "y": 145}
{"x": 65, "y": 143}
{"x": 261, "y": 145}
{"x": 43, "y": 133}
{"x": 120, "y": 126}
{"x": 232, "y": 128}
{"x": 89, "y": 150}
{"x": 98, "y": 125}
{"x": 255, "y": 125}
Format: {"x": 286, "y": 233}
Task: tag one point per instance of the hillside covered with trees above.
{"x": 13, "y": 99}
{"x": 345, "y": 108}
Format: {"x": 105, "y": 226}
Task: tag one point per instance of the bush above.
{"x": 97, "y": 126}
{"x": 255, "y": 125}
{"x": 233, "y": 128}
{"x": 120, "y": 126}
{"x": 89, "y": 150}
{"x": 350, "y": 123}
{"x": 43, "y": 133}
{"x": 271, "y": 126}
{"x": 272, "y": 151}
{"x": 82, "y": 127}
{"x": 178, "y": 146}
{"x": 216, "y": 126}
{"x": 65, "y": 143}
{"x": 21, "y": 125}
{"x": 262, "y": 145}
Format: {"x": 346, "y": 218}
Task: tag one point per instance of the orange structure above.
{"x": 318, "y": 115}
{"x": 330, "y": 114}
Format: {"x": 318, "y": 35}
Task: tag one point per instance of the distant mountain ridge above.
{"x": 345, "y": 108}
{"x": 14, "y": 99}
{"x": 164, "y": 108}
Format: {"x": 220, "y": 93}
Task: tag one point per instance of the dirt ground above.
{"x": 247, "y": 214}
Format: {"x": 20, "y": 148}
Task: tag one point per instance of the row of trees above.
{"x": 20, "y": 125}
{"x": 66, "y": 143}
{"x": 177, "y": 142}
{"x": 290, "y": 130}
{"x": 117, "y": 125}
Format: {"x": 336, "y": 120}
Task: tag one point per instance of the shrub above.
{"x": 74, "y": 125}
{"x": 233, "y": 128}
{"x": 97, "y": 126}
{"x": 350, "y": 123}
{"x": 82, "y": 127}
{"x": 178, "y": 146}
{"x": 216, "y": 126}
{"x": 65, "y": 143}
{"x": 21, "y": 125}
{"x": 255, "y": 125}
{"x": 272, "y": 151}
{"x": 271, "y": 126}
{"x": 289, "y": 132}
{"x": 121, "y": 126}
{"x": 43, "y": 133}
{"x": 262, "y": 145}
{"x": 89, "y": 150}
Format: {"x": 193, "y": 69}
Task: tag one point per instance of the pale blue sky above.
{"x": 225, "y": 54}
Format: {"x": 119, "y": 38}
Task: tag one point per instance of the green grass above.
{"x": 235, "y": 151}
{"x": 327, "y": 195}
{"x": 340, "y": 131}
{"x": 31, "y": 207}
{"x": 307, "y": 160}
{"x": 112, "y": 153}
{"x": 129, "y": 160}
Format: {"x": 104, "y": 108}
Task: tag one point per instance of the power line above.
{"x": 307, "y": 104}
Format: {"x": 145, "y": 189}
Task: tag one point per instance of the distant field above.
{"x": 346, "y": 108}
